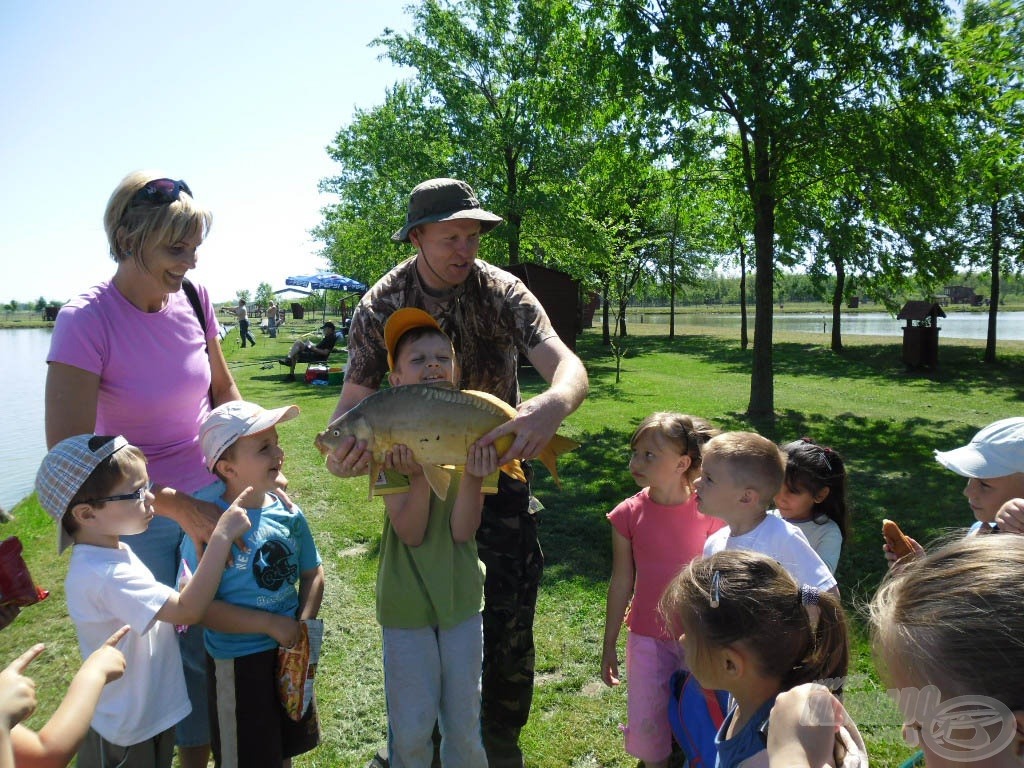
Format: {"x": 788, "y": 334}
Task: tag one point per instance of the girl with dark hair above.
{"x": 813, "y": 497}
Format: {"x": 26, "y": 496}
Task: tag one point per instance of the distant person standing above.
{"x": 243, "y": 323}
{"x": 272, "y": 320}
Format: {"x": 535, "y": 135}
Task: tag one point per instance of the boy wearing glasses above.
{"x": 96, "y": 488}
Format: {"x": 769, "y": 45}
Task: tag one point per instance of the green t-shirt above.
{"x": 437, "y": 584}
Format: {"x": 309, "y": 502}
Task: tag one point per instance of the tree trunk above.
{"x": 837, "y": 306}
{"x": 513, "y": 217}
{"x": 744, "y": 341}
{"x": 993, "y": 303}
{"x": 762, "y": 384}
{"x": 672, "y": 275}
{"x": 621, "y": 319}
{"x": 514, "y": 223}
{"x": 606, "y": 331}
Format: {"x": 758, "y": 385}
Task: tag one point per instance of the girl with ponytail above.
{"x": 748, "y": 628}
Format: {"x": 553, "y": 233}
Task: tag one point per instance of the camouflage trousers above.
{"x": 509, "y": 546}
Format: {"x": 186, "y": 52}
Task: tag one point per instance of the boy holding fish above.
{"x": 430, "y": 582}
{"x": 493, "y": 320}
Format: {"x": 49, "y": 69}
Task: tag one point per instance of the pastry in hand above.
{"x": 895, "y": 538}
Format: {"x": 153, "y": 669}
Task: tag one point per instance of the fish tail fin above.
{"x": 514, "y": 470}
{"x": 555, "y": 448}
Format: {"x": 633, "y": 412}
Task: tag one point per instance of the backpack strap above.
{"x": 197, "y": 307}
{"x": 193, "y": 299}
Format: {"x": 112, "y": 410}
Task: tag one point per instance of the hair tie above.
{"x": 809, "y": 597}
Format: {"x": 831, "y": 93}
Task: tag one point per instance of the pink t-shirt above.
{"x": 154, "y": 375}
{"x": 664, "y": 540}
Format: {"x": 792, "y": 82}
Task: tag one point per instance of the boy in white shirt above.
{"x": 96, "y": 488}
{"x": 740, "y": 474}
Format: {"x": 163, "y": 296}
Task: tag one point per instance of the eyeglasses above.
{"x": 139, "y": 494}
{"x": 159, "y": 192}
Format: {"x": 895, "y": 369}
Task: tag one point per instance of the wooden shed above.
{"x": 558, "y": 293}
{"x": 921, "y": 333}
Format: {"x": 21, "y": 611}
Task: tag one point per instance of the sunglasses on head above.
{"x": 160, "y": 192}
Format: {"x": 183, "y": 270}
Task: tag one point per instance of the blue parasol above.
{"x": 327, "y": 281}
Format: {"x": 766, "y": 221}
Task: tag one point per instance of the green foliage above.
{"x": 640, "y": 146}
{"x": 987, "y": 56}
{"x": 243, "y": 295}
{"x": 779, "y": 74}
{"x": 264, "y": 294}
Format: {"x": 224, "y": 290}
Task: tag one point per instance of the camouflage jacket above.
{"x": 491, "y": 318}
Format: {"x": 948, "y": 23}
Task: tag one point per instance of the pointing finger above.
{"x": 20, "y": 663}
{"x": 115, "y": 638}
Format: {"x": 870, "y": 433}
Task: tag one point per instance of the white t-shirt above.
{"x": 824, "y": 538}
{"x": 778, "y": 539}
{"x": 107, "y": 588}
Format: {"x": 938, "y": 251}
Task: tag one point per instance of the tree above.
{"x": 517, "y": 83}
{"x": 264, "y": 294}
{"x": 988, "y": 57}
{"x": 40, "y": 304}
{"x": 778, "y": 71}
{"x": 374, "y": 180}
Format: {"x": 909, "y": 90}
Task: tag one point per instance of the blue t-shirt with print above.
{"x": 266, "y": 577}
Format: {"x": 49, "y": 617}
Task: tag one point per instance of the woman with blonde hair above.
{"x": 139, "y": 355}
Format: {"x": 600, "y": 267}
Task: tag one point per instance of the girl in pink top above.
{"x": 655, "y": 534}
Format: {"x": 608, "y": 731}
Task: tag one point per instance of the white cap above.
{"x": 996, "y": 451}
{"x": 238, "y": 418}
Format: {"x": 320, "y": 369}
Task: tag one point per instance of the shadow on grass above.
{"x": 960, "y": 368}
{"x": 909, "y": 487}
{"x": 890, "y": 461}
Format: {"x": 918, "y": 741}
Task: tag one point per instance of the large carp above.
{"x": 437, "y": 424}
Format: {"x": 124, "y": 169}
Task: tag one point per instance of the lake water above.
{"x": 21, "y": 403}
{"x": 959, "y": 325}
{"x": 24, "y": 350}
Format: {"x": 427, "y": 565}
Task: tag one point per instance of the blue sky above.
{"x": 239, "y": 99}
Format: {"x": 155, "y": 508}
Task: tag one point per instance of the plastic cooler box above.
{"x": 321, "y": 372}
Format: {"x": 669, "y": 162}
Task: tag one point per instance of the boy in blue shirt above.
{"x": 279, "y": 574}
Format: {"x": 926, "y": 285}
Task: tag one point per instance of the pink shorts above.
{"x": 650, "y": 663}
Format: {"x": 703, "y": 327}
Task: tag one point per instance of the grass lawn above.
{"x": 883, "y": 420}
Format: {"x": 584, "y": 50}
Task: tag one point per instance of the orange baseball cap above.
{"x": 400, "y": 323}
